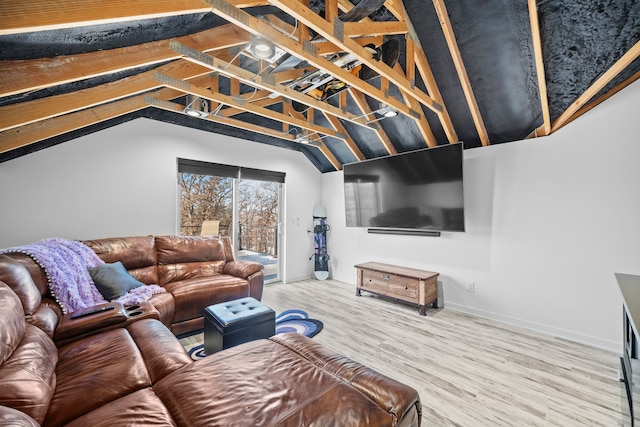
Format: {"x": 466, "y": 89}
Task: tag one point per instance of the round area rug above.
{"x": 297, "y": 321}
{"x": 288, "y": 321}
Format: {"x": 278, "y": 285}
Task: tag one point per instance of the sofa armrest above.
{"x": 256, "y": 285}
{"x": 90, "y": 319}
{"x": 72, "y": 328}
{"x": 242, "y": 269}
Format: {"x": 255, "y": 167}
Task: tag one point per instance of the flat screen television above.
{"x": 417, "y": 190}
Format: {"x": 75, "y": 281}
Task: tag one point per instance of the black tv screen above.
{"x": 418, "y": 190}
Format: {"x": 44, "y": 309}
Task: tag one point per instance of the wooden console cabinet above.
{"x": 406, "y": 284}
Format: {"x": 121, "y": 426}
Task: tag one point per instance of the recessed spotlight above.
{"x": 196, "y": 107}
{"x": 386, "y": 111}
{"x": 262, "y": 48}
{"x": 302, "y": 138}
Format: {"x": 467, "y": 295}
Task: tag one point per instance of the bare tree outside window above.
{"x": 205, "y": 198}
{"x": 258, "y": 209}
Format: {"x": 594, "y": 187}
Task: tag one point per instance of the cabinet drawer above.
{"x": 374, "y": 284}
{"x": 406, "y": 290}
{"x": 392, "y": 285}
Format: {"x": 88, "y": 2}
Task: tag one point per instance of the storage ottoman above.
{"x": 235, "y": 322}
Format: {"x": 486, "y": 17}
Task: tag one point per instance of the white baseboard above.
{"x": 608, "y": 345}
{"x": 299, "y": 278}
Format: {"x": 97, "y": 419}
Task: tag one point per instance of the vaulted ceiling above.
{"x": 481, "y": 72}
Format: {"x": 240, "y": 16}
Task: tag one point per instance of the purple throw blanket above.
{"x": 66, "y": 264}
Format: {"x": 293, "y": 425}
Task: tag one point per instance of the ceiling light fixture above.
{"x": 304, "y": 137}
{"x": 196, "y": 107}
{"x": 386, "y": 110}
{"x": 262, "y": 48}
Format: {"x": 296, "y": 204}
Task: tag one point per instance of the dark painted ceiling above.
{"x": 487, "y": 72}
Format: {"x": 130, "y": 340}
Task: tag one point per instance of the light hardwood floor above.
{"x": 469, "y": 371}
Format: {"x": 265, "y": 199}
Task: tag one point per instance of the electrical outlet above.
{"x": 471, "y": 286}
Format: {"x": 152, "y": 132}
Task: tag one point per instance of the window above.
{"x": 238, "y": 202}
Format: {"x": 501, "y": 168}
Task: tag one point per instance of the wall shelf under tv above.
{"x": 403, "y": 232}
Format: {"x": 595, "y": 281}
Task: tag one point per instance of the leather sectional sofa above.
{"x": 195, "y": 271}
{"x": 124, "y": 366}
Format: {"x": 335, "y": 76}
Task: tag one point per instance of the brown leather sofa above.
{"x": 135, "y": 372}
{"x": 195, "y": 271}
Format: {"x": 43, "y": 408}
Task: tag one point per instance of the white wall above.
{"x": 549, "y": 221}
{"x": 122, "y": 181}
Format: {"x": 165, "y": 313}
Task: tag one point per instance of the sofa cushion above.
{"x": 137, "y": 254}
{"x": 180, "y": 249}
{"x": 189, "y": 270}
{"x": 18, "y": 278}
{"x": 160, "y": 349}
{"x": 94, "y": 371}
{"x": 194, "y": 295}
{"x": 113, "y": 280}
{"x": 27, "y": 377}
{"x": 141, "y": 408}
{"x": 188, "y": 257}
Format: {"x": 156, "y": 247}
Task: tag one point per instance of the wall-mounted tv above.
{"x": 417, "y": 190}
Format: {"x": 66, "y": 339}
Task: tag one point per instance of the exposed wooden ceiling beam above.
{"x": 396, "y": 8}
{"x": 330, "y": 10}
{"x": 450, "y": 37}
{"x": 305, "y": 51}
{"x": 380, "y": 28}
{"x": 423, "y": 124}
{"x": 26, "y": 76}
{"x": 311, "y": 19}
{"x": 45, "y": 129}
{"x": 318, "y": 142}
{"x": 361, "y": 102}
{"x": 426, "y": 74}
{"x": 170, "y": 106}
{"x": 330, "y": 156}
{"x": 19, "y": 16}
{"x": 323, "y": 47}
{"x": 339, "y": 127}
{"x": 326, "y": 48}
{"x": 259, "y": 98}
{"x": 49, "y": 128}
{"x": 537, "y": 52}
{"x": 597, "y": 86}
{"x": 262, "y": 82}
{"x": 240, "y": 124}
{"x": 178, "y": 84}
{"x": 15, "y": 115}
{"x": 604, "y": 97}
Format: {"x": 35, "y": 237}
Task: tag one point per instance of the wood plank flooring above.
{"x": 469, "y": 371}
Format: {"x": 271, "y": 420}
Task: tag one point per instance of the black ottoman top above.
{"x": 239, "y": 313}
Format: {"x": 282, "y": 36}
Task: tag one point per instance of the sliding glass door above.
{"x": 259, "y": 224}
{"x": 241, "y": 203}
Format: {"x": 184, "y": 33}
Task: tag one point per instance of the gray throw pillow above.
{"x": 113, "y": 280}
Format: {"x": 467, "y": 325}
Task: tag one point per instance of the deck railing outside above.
{"x": 261, "y": 239}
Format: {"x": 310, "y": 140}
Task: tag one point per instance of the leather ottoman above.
{"x": 236, "y": 322}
